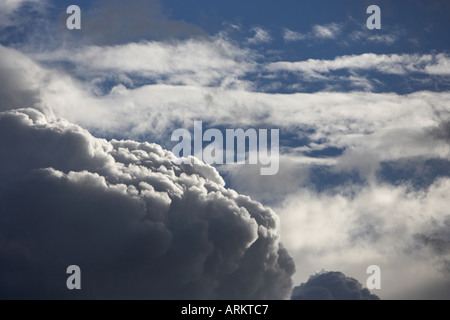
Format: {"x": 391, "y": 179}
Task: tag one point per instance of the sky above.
{"x": 88, "y": 176}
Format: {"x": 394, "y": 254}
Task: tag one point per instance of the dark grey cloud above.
{"x": 332, "y": 286}
{"x": 116, "y": 22}
{"x": 442, "y": 131}
{"x": 138, "y": 225}
{"x": 437, "y": 240}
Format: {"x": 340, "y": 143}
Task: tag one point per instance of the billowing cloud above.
{"x": 332, "y": 286}
{"x": 138, "y": 225}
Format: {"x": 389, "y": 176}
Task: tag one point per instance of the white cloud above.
{"x": 348, "y": 33}
{"x": 400, "y": 64}
{"x": 328, "y": 31}
{"x": 291, "y": 36}
{"x": 388, "y": 37}
{"x": 191, "y": 62}
{"x": 388, "y": 125}
{"x": 22, "y": 80}
{"x": 261, "y": 36}
{"x": 359, "y": 227}
{"x": 9, "y": 6}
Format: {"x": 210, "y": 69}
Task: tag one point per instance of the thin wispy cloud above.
{"x": 260, "y": 36}
{"x": 291, "y": 36}
{"x": 321, "y": 32}
{"x": 329, "y": 31}
{"x": 9, "y": 11}
{"x": 402, "y": 64}
{"x": 347, "y": 34}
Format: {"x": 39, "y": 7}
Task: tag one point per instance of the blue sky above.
{"x": 363, "y": 114}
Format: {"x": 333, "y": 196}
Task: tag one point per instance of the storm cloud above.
{"x": 332, "y": 286}
{"x": 138, "y": 225}
{"x": 436, "y": 239}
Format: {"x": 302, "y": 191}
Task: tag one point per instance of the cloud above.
{"x": 291, "y": 36}
{"x": 261, "y": 36}
{"x": 387, "y": 39}
{"x": 349, "y": 33}
{"x": 118, "y": 91}
{"x": 368, "y": 71}
{"x": 21, "y": 18}
{"x": 9, "y": 8}
{"x": 332, "y": 286}
{"x": 401, "y": 64}
{"x": 329, "y": 31}
{"x": 354, "y": 226}
{"x": 21, "y": 80}
{"x": 435, "y": 238}
{"x": 442, "y": 131}
{"x": 136, "y": 224}
{"x": 318, "y": 32}
{"x": 370, "y": 127}
{"x": 389, "y": 35}
{"x": 192, "y": 62}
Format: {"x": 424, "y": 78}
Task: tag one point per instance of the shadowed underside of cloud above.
{"x": 138, "y": 225}
{"x": 332, "y": 286}
{"x": 113, "y": 22}
{"x": 437, "y": 240}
